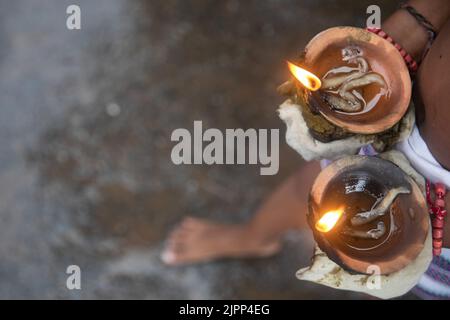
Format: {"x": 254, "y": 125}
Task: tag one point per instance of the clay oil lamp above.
{"x": 352, "y": 82}
{"x": 366, "y": 211}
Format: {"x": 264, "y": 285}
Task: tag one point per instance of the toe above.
{"x": 189, "y": 222}
{"x": 173, "y": 252}
{"x": 168, "y": 256}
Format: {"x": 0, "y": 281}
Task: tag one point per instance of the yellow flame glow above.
{"x": 329, "y": 220}
{"x": 308, "y": 79}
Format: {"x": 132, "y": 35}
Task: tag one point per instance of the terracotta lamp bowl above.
{"x": 324, "y": 53}
{"x": 356, "y": 183}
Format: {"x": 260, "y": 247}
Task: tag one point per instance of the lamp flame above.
{"x": 329, "y": 220}
{"x": 308, "y": 79}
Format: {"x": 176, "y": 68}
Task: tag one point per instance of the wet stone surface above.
{"x": 85, "y": 125}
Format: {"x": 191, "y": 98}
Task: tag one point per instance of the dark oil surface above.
{"x": 358, "y": 192}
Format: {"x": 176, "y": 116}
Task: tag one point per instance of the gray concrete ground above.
{"x": 85, "y": 124}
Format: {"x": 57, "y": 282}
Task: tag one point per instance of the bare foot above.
{"x": 196, "y": 240}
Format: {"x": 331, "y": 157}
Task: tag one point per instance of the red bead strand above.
{"x": 409, "y": 60}
{"x": 438, "y": 212}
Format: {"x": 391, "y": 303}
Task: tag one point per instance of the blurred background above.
{"x": 85, "y": 125}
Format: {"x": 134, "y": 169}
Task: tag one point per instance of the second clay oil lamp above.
{"x": 366, "y": 211}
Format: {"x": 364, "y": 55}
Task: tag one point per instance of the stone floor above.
{"x": 85, "y": 125}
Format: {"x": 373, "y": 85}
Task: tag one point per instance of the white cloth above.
{"x": 421, "y": 159}
{"x": 433, "y": 286}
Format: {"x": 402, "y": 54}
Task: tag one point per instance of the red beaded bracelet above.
{"x": 438, "y": 212}
{"x": 409, "y": 60}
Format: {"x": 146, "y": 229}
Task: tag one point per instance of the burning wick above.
{"x": 309, "y": 80}
{"x": 329, "y": 220}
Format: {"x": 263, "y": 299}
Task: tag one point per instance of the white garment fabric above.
{"x": 421, "y": 159}
{"x": 433, "y": 286}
